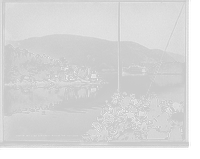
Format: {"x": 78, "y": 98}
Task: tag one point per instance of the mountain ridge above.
{"x": 94, "y": 51}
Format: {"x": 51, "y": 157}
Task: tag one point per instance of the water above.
{"x": 61, "y": 114}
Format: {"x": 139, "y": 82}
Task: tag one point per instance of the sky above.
{"x": 149, "y": 24}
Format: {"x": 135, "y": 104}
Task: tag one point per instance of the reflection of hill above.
{"x": 163, "y": 80}
{"x": 42, "y": 98}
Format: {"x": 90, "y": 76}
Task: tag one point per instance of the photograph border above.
{"x": 78, "y": 144}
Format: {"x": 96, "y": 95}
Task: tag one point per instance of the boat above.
{"x": 125, "y": 124}
{"x": 134, "y": 69}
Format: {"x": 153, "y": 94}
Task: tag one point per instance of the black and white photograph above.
{"x": 95, "y": 73}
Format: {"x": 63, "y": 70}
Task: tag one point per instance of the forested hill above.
{"x": 168, "y": 68}
{"x": 93, "y": 51}
{"x": 20, "y": 62}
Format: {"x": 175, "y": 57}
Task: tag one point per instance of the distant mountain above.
{"x": 93, "y": 51}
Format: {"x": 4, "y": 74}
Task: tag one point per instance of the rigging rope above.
{"x": 163, "y": 54}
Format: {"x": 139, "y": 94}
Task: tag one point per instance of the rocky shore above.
{"x": 53, "y": 83}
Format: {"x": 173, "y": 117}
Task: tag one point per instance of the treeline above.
{"x": 168, "y": 68}
{"x": 21, "y": 62}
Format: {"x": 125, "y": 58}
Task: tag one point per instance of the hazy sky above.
{"x": 149, "y": 24}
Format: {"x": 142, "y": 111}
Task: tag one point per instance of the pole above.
{"x": 119, "y": 67}
{"x": 163, "y": 53}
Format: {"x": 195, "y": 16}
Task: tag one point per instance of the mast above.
{"x": 119, "y": 61}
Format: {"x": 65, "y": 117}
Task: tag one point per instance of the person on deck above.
{"x": 133, "y": 99}
{"x": 142, "y": 129}
{"x": 161, "y": 105}
{"x": 76, "y": 69}
{"x": 153, "y": 107}
{"x": 153, "y": 101}
{"x": 162, "y": 120}
{"x": 92, "y": 134}
{"x": 108, "y": 106}
{"x": 175, "y": 132}
{"x": 94, "y": 71}
{"x": 142, "y": 101}
{"x": 125, "y": 100}
{"x": 142, "y": 112}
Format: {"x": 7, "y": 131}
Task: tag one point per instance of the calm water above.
{"x": 67, "y": 113}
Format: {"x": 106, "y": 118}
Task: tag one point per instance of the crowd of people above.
{"x": 127, "y": 118}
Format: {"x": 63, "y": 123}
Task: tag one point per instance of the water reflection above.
{"x": 41, "y": 99}
{"x": 166, "y": 80}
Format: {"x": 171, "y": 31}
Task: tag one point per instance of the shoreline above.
{"x": 169, "y": 74}
{"x": 53, "y": 83}
{"x": 146, "y": 73}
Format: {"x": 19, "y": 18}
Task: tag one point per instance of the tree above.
{"x": 18, "y": 63}
{"x": 13, "y": 73}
